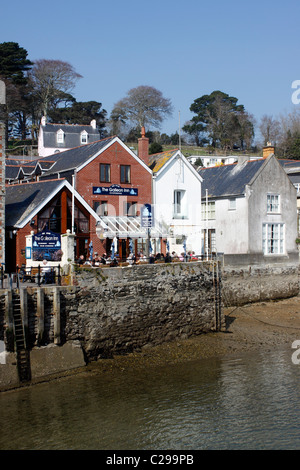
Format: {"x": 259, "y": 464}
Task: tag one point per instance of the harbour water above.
{"x": 250, "y": 401}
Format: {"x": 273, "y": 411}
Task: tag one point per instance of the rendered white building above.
{"x": 55, "y": 138}
{"x": 250, "y": 213}
{"x": 176, "y": 197}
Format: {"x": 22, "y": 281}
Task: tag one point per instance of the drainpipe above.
{"x": 73, "y": 211}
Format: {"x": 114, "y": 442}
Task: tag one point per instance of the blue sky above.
{"x": 249, "y": 50}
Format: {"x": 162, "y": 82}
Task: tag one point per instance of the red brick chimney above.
{"x": 143, "y": 147}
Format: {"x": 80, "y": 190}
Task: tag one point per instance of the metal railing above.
{"x": 34, "y": 275}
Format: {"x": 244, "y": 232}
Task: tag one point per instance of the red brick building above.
{"x": 43, "y": 206}
{"x": 116, "y": 183}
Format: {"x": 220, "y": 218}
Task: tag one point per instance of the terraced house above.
{"x": 249, "y": 212}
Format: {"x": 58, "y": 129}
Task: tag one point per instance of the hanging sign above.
{"x": 147, "y": 216}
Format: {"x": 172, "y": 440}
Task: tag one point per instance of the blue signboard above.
{"x": 114, "y": 190}
{"x": 46, "y": 245}
{"x": 147, "y": 216}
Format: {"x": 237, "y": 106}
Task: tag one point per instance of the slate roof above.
{"x": 229, "y": 180}
{"x": 23, "y": 199}
{"x": 72, "y": 135}
{"x": 290, "y": 165}
{"x": 73, "y": 158}
{"x": 11, "y": 172}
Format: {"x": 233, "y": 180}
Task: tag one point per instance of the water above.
{"x": 246, "y": 402}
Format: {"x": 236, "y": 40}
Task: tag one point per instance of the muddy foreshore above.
{"x": 267, "y": 325}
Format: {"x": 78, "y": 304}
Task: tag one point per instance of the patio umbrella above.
{"x": 130, "y": 245}
{"x": 150, "y": 247}
{"x": 91, "y": 250}
{"x": 113, "y": 248}
{"x": 184, "y": 247}
{"x": 168, "y": 246}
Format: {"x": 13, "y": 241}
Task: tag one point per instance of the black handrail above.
{"x": 38, "y": 276}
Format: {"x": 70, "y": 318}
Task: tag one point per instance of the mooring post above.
{"x": 56, "y": 314}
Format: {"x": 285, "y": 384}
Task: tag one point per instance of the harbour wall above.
{"x": 118, "y": 310}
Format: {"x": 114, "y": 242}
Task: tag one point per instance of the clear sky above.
{"x": 185, "y": 49}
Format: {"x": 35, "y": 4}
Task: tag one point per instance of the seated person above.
{"x": 46, "y": 274}
{"x": 80, "y": 260}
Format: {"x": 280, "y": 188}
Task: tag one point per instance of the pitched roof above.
{"x": 290, "y": 166}
{"x": 21, "y": 200}
{"x": 11, "y": 172}
{"x": 24, "y": 201}
{"x": 229, "y": 180}
{"x": 72, "y": 134}
{"x": 158, "y": 160}
{"x": 74, "y": 157}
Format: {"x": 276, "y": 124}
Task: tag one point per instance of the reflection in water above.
{"x": 251, "y": 402}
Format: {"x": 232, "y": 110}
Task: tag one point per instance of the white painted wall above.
{"x": 273, "y": 180}
{"x": 178, "y": 174}
{"x": 239, "y": 231}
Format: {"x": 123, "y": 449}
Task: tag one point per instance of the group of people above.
{"x": 140, "y": 258}
{"x": 97, "y": 260}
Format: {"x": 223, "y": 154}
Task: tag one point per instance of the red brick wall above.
{"x": 89, "y": 176}
{"x": 21, "y": 244}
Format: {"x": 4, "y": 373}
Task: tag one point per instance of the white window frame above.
{"x": 273, "y": 203}
{"x": 232, "y": 204}
{"x": 84, "y": 137}
{"x": 273, "y": 239}
{"x": 60, "y": 136}
{"x": 179, "y": 206}
{"x": 211, "y": 210}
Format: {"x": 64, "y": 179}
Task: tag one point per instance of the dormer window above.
{"x": 84, "y": 137}
{"x": 60, "y": 136}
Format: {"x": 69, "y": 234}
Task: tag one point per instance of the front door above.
{"x": 82, "y": 247}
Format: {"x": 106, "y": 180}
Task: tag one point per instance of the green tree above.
{"x": 78, "y": 112}
{"x": 155, "y": 147}
{"x": 14, "y": 67}
{"x": 219, "y": 121}
{"x": 14, "y": 63}
{"x": 293, "y": 145}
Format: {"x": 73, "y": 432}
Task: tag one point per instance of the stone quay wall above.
{"x": 112, "y": 311}
{"x": 118, "y": 310}
{"x": 258, "y": 283}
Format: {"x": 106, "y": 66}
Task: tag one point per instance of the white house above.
{"x": 217, "y": 160}
{"x": 176, "y": 198}
{"x": 54, "y": 138}
{"x": 250, "y": 212}
{"x": 213, "y": 160}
